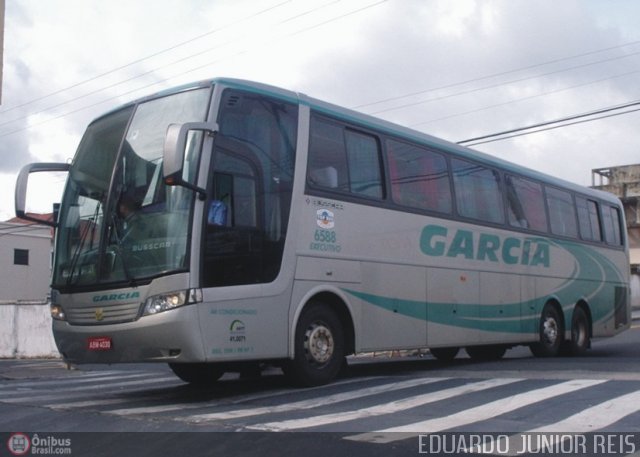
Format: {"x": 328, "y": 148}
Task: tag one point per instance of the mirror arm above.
{"x": 202, "y": 193}
{"x": 176, "y": 140}
{"x": 21, "y": 188}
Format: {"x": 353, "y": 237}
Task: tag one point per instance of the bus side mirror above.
{"x": 21, "y": 188}
{"x": 181, "y": 144}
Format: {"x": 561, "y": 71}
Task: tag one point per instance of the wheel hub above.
{"x": 550, "y": 331}
{"x": 579, "y": 334}
{"x": 319, "y": 343}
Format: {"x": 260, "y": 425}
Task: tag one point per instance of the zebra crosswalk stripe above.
{"x": 599, "y": 416}
{"x": 386, "y": 408}
{"x": 74, "y": 392}
{"x": 477, "y": 414}
{"x": 588, "y": 420}
{"x": 312, "y": 403}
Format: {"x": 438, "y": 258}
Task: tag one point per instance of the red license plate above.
{"x": 99, "y": 343}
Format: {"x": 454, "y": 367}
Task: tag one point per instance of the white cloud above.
{"x": 343, "y": 52}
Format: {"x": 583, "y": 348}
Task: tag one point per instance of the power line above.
{"x": 495, "y": 75}
{"x": 530, "y": 97}
{"x": 557, "y": 126}
{"x": 140, "y": 75}
{"x": 306, "y": 29}
{"x": 142, "y": 59}
{"x": 550, "y": 124}
{"x": 494, "y": 85}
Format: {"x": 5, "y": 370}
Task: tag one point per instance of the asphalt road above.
{"x": 381, "y": 406}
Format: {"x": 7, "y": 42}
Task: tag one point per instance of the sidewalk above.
{"x": 25, "y": 369}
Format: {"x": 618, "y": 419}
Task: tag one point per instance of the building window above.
{"x": 21, "y": 257}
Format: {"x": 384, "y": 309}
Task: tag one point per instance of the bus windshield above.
{"x": 119, "y": 222}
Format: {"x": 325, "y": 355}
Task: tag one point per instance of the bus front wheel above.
{"x": 199, "y": 374}
{"x": 550, "y": 331}
{"x": 445, "y": 354}
{"x": 319, "y": 347}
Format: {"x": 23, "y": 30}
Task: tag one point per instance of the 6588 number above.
{"x": 325, "y": 236}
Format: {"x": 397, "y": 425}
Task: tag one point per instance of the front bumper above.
{"x": 171, "y": 336}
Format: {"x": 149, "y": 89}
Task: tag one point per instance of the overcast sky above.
{"x": 451, "y": 68}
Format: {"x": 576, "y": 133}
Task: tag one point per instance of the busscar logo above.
{"x": 19, "y": 444}
{"x": 325, "y": 219}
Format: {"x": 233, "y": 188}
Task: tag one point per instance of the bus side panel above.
{"x": 500, "y": 309}
{"x": 529, "y": 309}
{"x": 399, "y": 320}
{"x": 244, "y": 323}
{"x": 611, "y": 310}
{"x": 453, "y": 311}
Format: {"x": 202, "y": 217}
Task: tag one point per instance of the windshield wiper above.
{"x": 115, "y": 219}
{"x": 90, "y": 226}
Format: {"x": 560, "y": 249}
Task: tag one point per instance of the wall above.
{"x": 25, "y": 331}
{"x": 25, "y": 282}
{"x": 25, "y": 321}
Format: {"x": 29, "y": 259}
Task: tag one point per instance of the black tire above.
{"x": 319, "y": 347}
{"x": 198, "y": 374}
{"x": 580, "y": 334}
{"x": 445, "y": 354}
{"x": 488, "y": 352}
{"x": 550, "y": 333}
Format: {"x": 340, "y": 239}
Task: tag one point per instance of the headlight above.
{"x": 171, "y": 300}
{"x": 58, "y": 313}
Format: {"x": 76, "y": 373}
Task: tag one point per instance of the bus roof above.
{"x": 413, "y": 135}
{"x": 387, "y": 127}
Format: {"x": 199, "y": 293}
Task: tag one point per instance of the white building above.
{"x": 25, "y": 262}
{"x": 25, "y": 273}
{"x": 624, "y": 181}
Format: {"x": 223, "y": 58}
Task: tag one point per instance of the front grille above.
{"x": 102, "y": 314}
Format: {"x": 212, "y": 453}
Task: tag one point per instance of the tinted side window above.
{"x": 525, "y": 202}
{"x": 477, "y": 190}
{"x": 589, "y": 219}
{"x": 419, "y": 177}
{"x": 562, "y": 214}
{"x": 363, "y": 155}
{"x": 250, "y": 184}
{"x": 344, "y": 160}
{"x": 327, "y": 156}
{"x": 612, "y": 225}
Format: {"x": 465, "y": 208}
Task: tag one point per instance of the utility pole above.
{"x": 1, "y": 44}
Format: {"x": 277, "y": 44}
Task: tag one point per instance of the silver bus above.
{"x": 227, "y": 223}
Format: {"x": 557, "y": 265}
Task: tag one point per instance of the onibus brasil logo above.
{"x": 19, "y": 444}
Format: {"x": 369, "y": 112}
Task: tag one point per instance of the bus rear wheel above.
{"x": 550, "y": 331}
{"x": 488, "y": 352}
{"x": 580, "y": 334}
{"x": 319, "y": 347}
{"x": 198, "y": 374}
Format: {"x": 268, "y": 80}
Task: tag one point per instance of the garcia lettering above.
{"x": 437, "y": 241}
{"x": 114, "y": 297}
